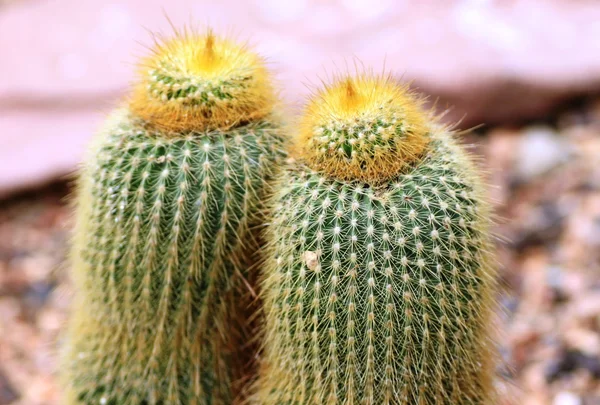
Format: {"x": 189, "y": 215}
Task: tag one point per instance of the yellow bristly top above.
{"x": 366, "y": 128}
{"x": 201, "y": 82}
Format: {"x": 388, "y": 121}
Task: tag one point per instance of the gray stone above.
{"x": 540, "y": 150}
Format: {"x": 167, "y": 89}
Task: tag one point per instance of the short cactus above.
{"x": 378, "y": 284}
{"x": 166, "y": 206}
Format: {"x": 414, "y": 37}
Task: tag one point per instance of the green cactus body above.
{"x": 378, "y": 292}
{"x": 161, "y": 253}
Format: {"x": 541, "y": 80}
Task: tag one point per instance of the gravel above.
{"x": 545, "y": 183}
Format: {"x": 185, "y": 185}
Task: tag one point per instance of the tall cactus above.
{"x": 378, "y": 285}
{"x": 167, "y": 201}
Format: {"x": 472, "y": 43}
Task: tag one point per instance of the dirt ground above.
{"x": 545, "y": 181}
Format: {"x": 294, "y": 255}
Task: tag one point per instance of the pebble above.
{"x": 540, "y": 150}
{"x": 8, "y": 393}
{"x": 567, "y": 398}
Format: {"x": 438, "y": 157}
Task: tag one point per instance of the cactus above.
{"x": 167, "y": 201}
{"x": 378, "y": 284}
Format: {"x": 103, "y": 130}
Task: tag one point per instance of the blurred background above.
{"x": 528, "y": 70}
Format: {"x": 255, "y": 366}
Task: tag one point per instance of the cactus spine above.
{"x": 166, "y": 202}
{"x": 378, "y": 286}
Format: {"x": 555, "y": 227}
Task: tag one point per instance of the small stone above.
{"x": 540, "y": 150}
{"x": 565, "y": 363}
{"x": 544, "y": 223}
{"x": 8, "y": 394}
{"x": 587, "y": 308}
{"x": 567, "y": 398}
{"x": 584, "y": 340}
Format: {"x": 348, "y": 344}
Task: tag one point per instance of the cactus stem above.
{"x": 378, "y": 285}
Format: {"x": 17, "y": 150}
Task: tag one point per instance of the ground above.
{"x": 545, "y": 183}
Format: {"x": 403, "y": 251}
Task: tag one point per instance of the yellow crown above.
{"x": 365, "y": 128}
{"x": 201, "y": 82}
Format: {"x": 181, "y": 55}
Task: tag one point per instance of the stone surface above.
{"x": 66, "y": 62}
